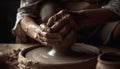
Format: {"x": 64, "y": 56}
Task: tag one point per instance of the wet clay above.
{"x": 80, "y": 56}
{"x": 9, "y": 60}
{"x": 41, "y": 55}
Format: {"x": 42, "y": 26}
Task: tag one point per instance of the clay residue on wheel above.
{"x": 12, "y": 61}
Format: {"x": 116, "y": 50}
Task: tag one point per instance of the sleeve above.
{"x": 113, "y": 5}
{"x": 28, "y": 8}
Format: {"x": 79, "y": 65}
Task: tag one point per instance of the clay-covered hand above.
{"x": 63, "y": 24}
{"x": 46, "y": 37}
{"x": 41, "y": 33}
{"x": 57, "y": 21}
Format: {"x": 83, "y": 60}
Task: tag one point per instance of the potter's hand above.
{"x": 63, "y": 24}
{"x": 46, "y": 37}
{"x": 59, "y": 20}
{"x": 39, "y": 33}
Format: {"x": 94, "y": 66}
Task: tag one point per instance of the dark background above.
{"x": 8, "y": 10}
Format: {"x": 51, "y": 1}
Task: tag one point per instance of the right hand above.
{"x": 41, "y": 34}
{"x": 45, "y": 37}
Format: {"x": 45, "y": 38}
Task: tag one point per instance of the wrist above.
{"x": 29, "y": 27}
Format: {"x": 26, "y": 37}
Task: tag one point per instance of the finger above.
{"x": 55, "y": 17}
{"x": 59, "y": 24}
{"x": 39, "y": 39}
{"x": 44, "y": 28}
{"x": 47, "y": 41}
{"x": 65, "y": 30}
{"x": 51, "y": 21}
{"x": 50, "y": 40}
{"x": 50, "y": 35}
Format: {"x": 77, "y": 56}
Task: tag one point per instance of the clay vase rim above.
{"x": 102, "y": 60}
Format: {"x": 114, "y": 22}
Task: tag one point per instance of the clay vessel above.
{"x": 82, "y": 61}
{"x": 109, "y": 60}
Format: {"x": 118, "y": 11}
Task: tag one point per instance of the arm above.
{"x": 93, "y": 17}
{"x": 97, "y": 1}
{"x": 27, "y": 11}
{"x": 30, "y": 27}
{"x": 27, "y": 21}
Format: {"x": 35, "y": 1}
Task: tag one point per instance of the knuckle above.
{"x": 61, "y": 11}
{"x": 46, "y": 35}
{"x": 49, "y": 20}
{"x": 54, "y": 18}
{"x": 68, "y": 16}
{"x": 45, "y": 43}
{"x": 57, "y": 22}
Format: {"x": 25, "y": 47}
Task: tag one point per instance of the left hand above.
{"x": 63, "y": 17}
{"x": 63, "y": 24}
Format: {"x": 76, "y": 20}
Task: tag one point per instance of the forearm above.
{"x": 29, "y": 26}
{"x": 95, "y": 17}
{"x": 102, "y": 15}
{"x": 97, "y": 1}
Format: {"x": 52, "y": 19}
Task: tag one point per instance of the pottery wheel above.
{"x": 79, "y": 53}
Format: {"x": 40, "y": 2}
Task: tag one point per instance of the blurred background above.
{"x": 8, "y": 9}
